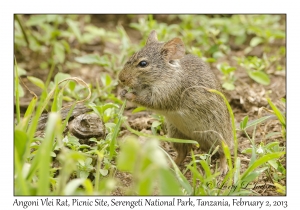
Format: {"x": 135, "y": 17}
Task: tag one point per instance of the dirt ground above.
{"x": 247, "y": 99}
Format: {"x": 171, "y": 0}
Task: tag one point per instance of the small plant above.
{"x": 228, "y": 76}
{"x": 255, "y": 68}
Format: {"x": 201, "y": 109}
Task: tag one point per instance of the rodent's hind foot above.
{"x": 182, "y": 151}
{"x": 179, "y": 160}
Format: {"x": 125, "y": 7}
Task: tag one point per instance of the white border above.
{"x": 151, "y": 6}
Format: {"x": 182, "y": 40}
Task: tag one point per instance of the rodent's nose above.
{"x": 122, "y": 78}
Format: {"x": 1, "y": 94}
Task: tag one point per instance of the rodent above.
{"x": 162, "y": 78}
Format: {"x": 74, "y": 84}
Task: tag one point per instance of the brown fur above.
{"x": 172, "y": 85}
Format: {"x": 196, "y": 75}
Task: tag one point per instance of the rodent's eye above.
{"x": 143, "y": 64}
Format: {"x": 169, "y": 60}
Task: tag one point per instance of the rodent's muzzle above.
{"x": 124, "y": 79}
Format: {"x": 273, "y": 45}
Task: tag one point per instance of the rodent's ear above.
{"x": 173, "y": 49}
{"x": 152, "y": 37}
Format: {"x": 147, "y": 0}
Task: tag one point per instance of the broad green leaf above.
{"x": 155, "y": 124}
{"x": 83, "y": 174}
{"x": 93, "y": 59}
{"x": 36, "y": 20}
{"x": 103, "y": 172}
{"x": 139, "y": 109}
{"x": 67, "y": 98}
{"x": 228, "y": 69}
{"x": 255, "y": 41}
{"x": 95, "y": 30}
{"x": 210, "y": 60}
{"x": 271, "y": 134}
{"x": 84, "y": 146}
{"x": 256, "y": 122}
{"x": 247, "y": 151}
{"x": 228, "y": 86}
{"x": 108, "y": 114}
{"x": 145, "y": 185}
{"x": 21, "y": 91}
{"x": 251, "y": 176}
{"x": 240, "y": 39}
{"x": 73, "y": 140}
{"x": 218, "y": 54}
{"x": 261, "y": 161}
{"x": 243, "y": 124}
{"x": 106, "y": 79}
{"x": 36, "y": 81}
{"x": 272, "y": 144}
{"x": 273, "y": 163}
{"x": 88, "y": 161}
{"x": 110, "y": 105}
{"x": 213, "y": 49}
{"x": 66, "y": 46}
{"x": 128, "y": 155}
{"x": 87, "y": 184}
{"x": 280, "y": 188}
{"x": 72, "y": 186}
{"x": 21, "y": 71}
{"x": 72, "y": 85}
{"x": 260, "y": 77}
{"x": 60, "y": 76}
{"x": 59, "y": 52}
{"x": 75, "y": 28}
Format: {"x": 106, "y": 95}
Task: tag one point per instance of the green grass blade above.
{"x": 277, "y": 112}
{"x": 194, "y": 163}
{"x": 205, "y": 167}
{"x": 116, "y": 131}
{"x": 184, "y": 141}
{"x": 100, "y": 156}
{"x": 232, "y": 120}
{"x": 168, "y": 184}
{"x": 44, "y": 154}
{"x": 23, "y": 125}
{"x": 17, "y": 92}
{"x": 256, "y": 122}
{"x": 180, "y": 177}
{"x": 21, "y": 187}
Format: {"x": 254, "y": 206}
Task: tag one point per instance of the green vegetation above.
{"x": 50, "y": 48}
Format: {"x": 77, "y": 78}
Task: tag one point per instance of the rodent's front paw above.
{"x": 130, "y": 96}
{"x": 123, "y": 93}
